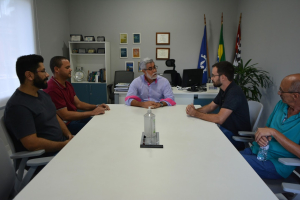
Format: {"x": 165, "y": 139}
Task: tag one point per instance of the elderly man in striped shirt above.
{"x": 150, "y": 90}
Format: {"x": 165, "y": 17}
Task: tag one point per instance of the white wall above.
{"x": 270, "y": 36}
{"x": 53, "y": 29}
{"x": 183, "y": 19}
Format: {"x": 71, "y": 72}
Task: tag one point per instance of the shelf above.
{"x": 87, "y": 54}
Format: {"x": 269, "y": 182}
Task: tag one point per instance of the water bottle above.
{"x": 149, "y": 124}
{"x": 263, "y": 153}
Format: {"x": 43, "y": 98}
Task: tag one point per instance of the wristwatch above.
{"x": 161, "y": 104}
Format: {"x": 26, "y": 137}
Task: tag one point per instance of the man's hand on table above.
{"x": 152, "y": 104}
{"x": 191, "y": 110}
{"x": 106, "y": 107}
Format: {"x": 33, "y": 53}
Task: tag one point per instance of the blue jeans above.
{"x": 265, "y": 169}
{"x": 229, "y": 134}
{"x": 75, "y": 126}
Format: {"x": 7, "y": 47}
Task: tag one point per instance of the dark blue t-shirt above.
{"x": 25, "y": 115}
{"x": 233, "y": 98}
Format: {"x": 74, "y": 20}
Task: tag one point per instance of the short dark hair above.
{"x": 27, "y": 63}
{"x": 56, "y": 61}
{"x": 225, "y": 68}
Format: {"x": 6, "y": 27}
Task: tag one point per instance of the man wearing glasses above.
{"x": 282, "y": 133}
{"x": 150, "y": 90}
{"x": 30, "y": 115}
{"x": 234, "y": 111}
{"x": 64, "y": 97}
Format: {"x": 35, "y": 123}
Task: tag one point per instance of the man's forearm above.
{"x": 208, "y": 117}
{"x": 75, "y": 115}
{"x": 85, "y": 106}
{"x": 205, "y": 109}
{"x": 136, "y": 103}
{"x": 63, "y": 127}
{"x": 287, "y": 143}
{"x": 48, "y": 145}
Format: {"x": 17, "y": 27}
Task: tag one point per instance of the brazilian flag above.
{"x": 221, "y": 49}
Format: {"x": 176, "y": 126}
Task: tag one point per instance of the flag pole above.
{"x": 240, "y": 23}
{"x": 207, "y": 60}
{"x": 222, "y": 19}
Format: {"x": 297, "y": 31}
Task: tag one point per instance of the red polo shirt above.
{"x": 61, "y": 96}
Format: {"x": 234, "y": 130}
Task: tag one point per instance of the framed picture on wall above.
{"x": 123, "y": 52}
{"x": 136, "y": 38}
{"x": 136, "y": 52}
{"x": 123, "y": 38}
{"x": 162, "y": 53}
{"x": 129, "y": 66}
{"x": 163, "y": 38}
{"x": 139, "y": 68}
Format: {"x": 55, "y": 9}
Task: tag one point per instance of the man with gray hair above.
{"x": 150, "y": 90}
{"x": 282, "y": 133}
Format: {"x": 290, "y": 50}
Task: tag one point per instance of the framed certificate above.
{"x": 136, "y": 52}
{"x": 123, "y": 38}
{"x": 163, "y": 38}
{"x": 162, "y": 53}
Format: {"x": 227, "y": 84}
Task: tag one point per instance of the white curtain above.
{"x": 17, "y": 38}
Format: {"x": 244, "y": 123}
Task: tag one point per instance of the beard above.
{"x": 40, "y": 83}
{"x": 217, "y": 84}
{"x": 154, "y": 76}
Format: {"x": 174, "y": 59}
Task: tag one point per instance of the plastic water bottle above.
{"x": 263, "y": 153}
{"x": 149, "y": 124}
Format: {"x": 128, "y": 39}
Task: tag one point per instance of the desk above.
{"x": 104, "y": 161}
{"x": 182, "y": 97}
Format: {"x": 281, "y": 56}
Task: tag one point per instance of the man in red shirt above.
{"x": 64, "y": 97}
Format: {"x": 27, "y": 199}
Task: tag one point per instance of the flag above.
{"x": 221, "y": 49}
{"x": 203, "y": 57}
{"x": 237, "y": 57}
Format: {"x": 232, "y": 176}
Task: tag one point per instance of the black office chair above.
{"x": 176, "y": 78}
{"x": 121, "y": 76}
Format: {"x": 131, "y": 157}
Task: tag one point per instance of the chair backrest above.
{"x": 7, "y": 174}
{"x": 255, "y": 110}
{"x": 7, "y": 136}
{"x": 123, "y": 77}
{"x": 168, "y": 77}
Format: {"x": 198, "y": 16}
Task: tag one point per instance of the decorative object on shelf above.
{"x": 123, "y": 38}
{"x": 129, "y": 66}
{"x": 89, "y": 38}
{"x": 76, "y": 37}
{"x": 81, "y": 51}
{"x": 102, "y": 75}
{"x": 136, "y": 38}
{"x": 75, "y": 51}
{"x": 163, "y": 38}
{"x": 92, "y": 75}
{"x": 101, "y": 50}
{"x": 79, "y": 74}
{"x": 139, "y": 68}
{"x": 123, "y": 52}
{"x": 136, "y": 52}
{"x": 91, "y": 50}
{"x": 162, "y": 53}
{"x": 250, "y": 79}
{"x": 100, "y": 39}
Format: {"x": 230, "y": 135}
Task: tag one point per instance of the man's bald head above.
{"x": 293, "y": 82}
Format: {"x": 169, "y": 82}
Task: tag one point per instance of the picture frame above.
{"x": 129, "y": 66}
{"x": 139, "y": 68}
{"x": 136, "y": 38}
{"x": 76, "y": 37}
{"x": 123, "y": 52}
{"x": 101, "y": 50}
{"x": 136, "y": 52}
{"x": 89, "y": 38}
{"x": 81, "y": 50}
{"x": 163, "y": 38}
{"x": 162, "y": 53}
{"x": 123, "y": 38}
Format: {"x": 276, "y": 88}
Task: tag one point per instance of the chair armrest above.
{"x": 290, "y": 161}
{"x": 27, "y": 154}
{"x": 246, "y": 133}
{"x": 243, "y": 139}
{"x": 39, "y": 161}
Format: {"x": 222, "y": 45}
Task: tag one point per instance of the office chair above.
{"x": 121, "y": 76}
{"x": 255, "y": 110}
{"x": 176, "y": 78}
{"x": 20, "y": 160}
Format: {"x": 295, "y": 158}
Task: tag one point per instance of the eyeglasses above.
{"x": 44, "y": 71}
{"x": 152, "y": 68}
{"x": 282, "y": 92}
{"x": 216, "y": 75}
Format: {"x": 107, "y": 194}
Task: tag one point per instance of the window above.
{"x": 17, "y": 38}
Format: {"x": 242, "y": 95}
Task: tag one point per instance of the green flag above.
{"x": 221, "y": 49}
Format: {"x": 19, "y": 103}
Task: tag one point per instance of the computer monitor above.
{"x": 192, "y": 77}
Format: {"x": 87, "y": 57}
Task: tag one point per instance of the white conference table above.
{"x": 182, "y": 97}
{"x": 104, "y": 161}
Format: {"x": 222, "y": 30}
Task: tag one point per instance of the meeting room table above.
{"x": 105, "y": 161}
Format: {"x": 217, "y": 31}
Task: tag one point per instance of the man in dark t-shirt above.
{"x": 234, "y": 111}
{"x": 30, "y": 115}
